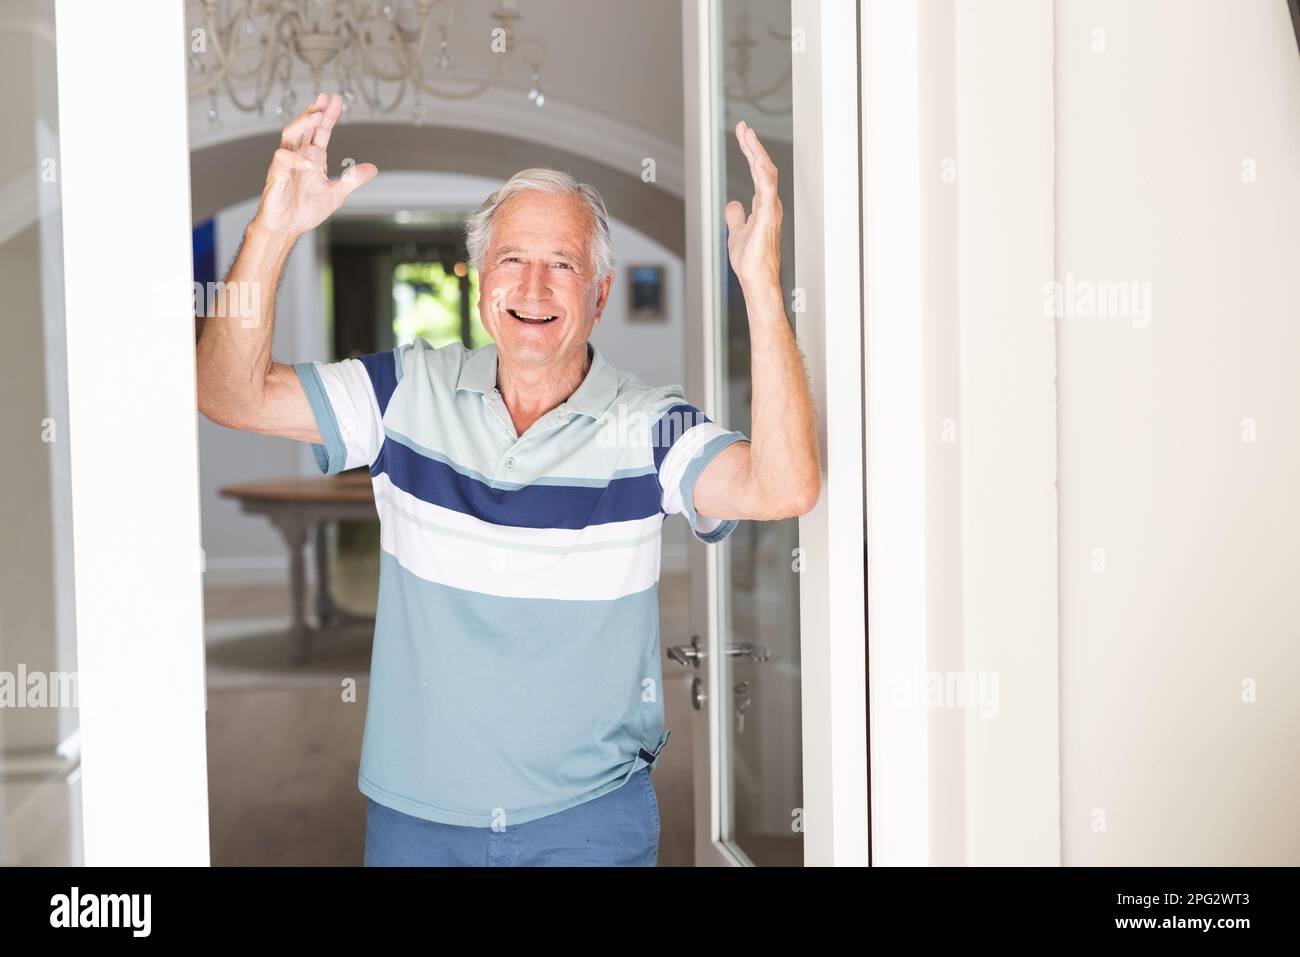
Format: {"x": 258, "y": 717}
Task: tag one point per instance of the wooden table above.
{"x": 298, "y": 507}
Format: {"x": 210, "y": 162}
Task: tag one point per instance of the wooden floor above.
{"x": 283, "y": 748}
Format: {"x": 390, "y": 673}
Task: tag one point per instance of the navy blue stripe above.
{"x": 382, "y": 369}
{"x": 671, "y": 426}
{"x": 533, "y": 506}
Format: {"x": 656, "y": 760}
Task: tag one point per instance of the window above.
{"x": 440, "y": 305}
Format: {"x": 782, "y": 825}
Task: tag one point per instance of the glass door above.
{"x": 745, "y": 592}
{"x": 40, "y": 754}
{"x": 776, "y": 653}
{"x": 758, "y": 599}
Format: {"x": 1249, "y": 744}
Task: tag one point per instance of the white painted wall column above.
{"x": 131, "y": 396}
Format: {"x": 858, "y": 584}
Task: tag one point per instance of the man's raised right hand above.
{"x": 299, "y": 195}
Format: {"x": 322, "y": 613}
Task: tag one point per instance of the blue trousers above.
{"x": 618, "y": 829}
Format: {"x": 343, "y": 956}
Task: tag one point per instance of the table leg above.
{"x": 326, "y": 613}
{"x": 295, "y": 535}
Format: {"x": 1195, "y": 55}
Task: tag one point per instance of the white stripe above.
{"x": 600, "y": 562}
{"x": 679, "y": 457}
{"x": 352, "y": 397}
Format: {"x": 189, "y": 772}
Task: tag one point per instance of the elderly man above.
{"x": 515, "y": 707}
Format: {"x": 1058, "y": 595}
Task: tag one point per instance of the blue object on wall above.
{"x": 205, "y": 252}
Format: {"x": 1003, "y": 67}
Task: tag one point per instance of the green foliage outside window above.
{"x": 426, "y": 305}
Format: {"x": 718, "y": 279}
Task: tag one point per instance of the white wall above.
{"x": 246, "y": 549}
{"x": 983, "y": 666}
{"x": 1101, "y": 500}
{"x": 1198, "y": 525}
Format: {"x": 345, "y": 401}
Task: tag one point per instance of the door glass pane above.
{"x": 762, "y": 781}
{"x": 40, "y": 794}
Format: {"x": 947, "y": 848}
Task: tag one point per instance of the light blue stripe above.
{"x": 697, "y": 465}
{"x": 333, "y": 454}
{"x": 486, "y": 710}
{"x": 560, "y": 480}
{"x": 594, "y": 482}
{"x": 415, "y": 446}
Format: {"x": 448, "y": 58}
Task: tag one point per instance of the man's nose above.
{"x": 535, "y": 283}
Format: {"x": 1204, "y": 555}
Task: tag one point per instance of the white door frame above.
{"x": 703, "y": 282}
{"x": 827, "y": 268}
{"x": 961, "y": 428}
{"x": 895, "y": 428}
{"x": 132, "y": 428}
{"x": 833, "y": 628}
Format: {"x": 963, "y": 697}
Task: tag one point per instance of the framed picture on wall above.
{"x": 646, "y": 294}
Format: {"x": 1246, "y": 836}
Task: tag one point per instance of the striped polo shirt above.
{"x": 515, "y": 670}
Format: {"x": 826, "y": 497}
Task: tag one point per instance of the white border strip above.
{"x": 703, "y": 225}
{"x": 891, "y": 111}
{"x": 827, "y": 267}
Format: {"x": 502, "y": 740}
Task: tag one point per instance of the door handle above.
{"x": 749, "y": 650}
{"x": 689, "y": 655}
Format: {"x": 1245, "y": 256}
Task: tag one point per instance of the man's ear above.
{"x": 602, "y": 295}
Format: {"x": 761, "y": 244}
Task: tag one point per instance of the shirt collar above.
{"x": 592, "y": 397}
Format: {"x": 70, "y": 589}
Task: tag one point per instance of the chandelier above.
{"x": 739, "y": 85}
{"x": 375, "y": 51}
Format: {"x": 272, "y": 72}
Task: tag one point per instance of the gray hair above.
{"x": 478, "y": 227}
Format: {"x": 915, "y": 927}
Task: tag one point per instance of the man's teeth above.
{"x": 525, "y": 317}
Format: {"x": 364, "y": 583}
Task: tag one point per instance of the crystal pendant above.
{"x": 285, "y": 107}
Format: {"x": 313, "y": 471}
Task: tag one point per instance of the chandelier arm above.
{"x": 424, "y": 39}
{"x": 268, "y": 44}
{"x": 230, "y": 70}
{"x": 535, "y": 42}
{"x": 405, "y": 65}
{"x": 373, "y": 69}
{"x": 228, "y": 57}
{"x": 484, "y": 85}
{"x": 239, "y": 104}
{"x": 212, "y": 80}
{"x": 401, "y": 94}
{"x": 248, "y": 8}
{"x": 371, "y": 101}
{"x": 260, "y": 92}
{"x": 478, "y": 90}
{"x": 379, "y": 73}
{"x": 225, "y": 69}
{"x": 277, "y": 50}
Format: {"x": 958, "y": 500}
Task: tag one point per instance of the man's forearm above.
{"x": 234, "y": 351}
{"x": 784, "y": 461}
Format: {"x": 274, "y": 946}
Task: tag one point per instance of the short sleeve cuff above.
{"x": 331, "y": 454}
{"x": 707, "y": 530}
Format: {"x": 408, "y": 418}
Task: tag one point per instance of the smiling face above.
{"x": 539, "y": 293}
